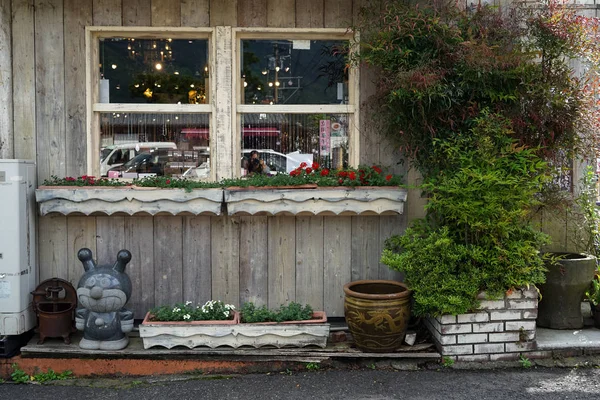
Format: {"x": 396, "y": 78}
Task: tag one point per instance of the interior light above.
{"x": 245, "y": 84}
{"x": 277, "y": 83}
{"x": 114, "y": 66}
{"x": 176, "y": 72}
{"x": 270, "y": 84}
{"x": 264, "y": 71}
{"x": 192, "y": 85}
{"x": 277, "y": 69}
{"x": 158, "y": 66}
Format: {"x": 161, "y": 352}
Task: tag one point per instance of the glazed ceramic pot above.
{"x": 566, "y": 282}
{"x": 377, "y": 313}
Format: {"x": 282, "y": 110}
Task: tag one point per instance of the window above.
{"x": 202, "y": 99}
{"x": 150, "y": 93}
{"x": 296, "y": 97}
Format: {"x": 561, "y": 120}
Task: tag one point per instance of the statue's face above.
{"x": 103, "y": 290}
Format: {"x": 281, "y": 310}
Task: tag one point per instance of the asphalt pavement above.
{"x": 367, "y": 384}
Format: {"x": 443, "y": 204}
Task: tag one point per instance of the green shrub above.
{"x": 292, "y": 312}
{"x": 212, "y": 310}
{"x": 476, "y": 235}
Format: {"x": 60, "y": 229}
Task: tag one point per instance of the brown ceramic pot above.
{"x": 377, "y": 313}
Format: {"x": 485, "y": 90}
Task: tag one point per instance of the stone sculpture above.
{"x": 102, "y": 293}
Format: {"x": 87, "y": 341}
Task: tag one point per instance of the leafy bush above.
{"x": 438, "y": 66}
{"x": 292, "y": 312}
{"x": 212, "y": 310}
{"x": 476, "y": 235}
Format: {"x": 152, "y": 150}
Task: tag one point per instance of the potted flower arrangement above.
{"x": 217, "y": 324}
{"x": 333, "y": 190}
{"x": 187, "y": 325}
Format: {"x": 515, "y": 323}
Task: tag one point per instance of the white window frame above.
{"x": 351, "y": 108}
{"x": 94, "y": 108}
{"x": 224, "y": 106}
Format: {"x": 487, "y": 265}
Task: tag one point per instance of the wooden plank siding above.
{"x": 7, "y": 145}
{"x": 24, "y": 82}
{"x": 268, "y": 260}
{"x": 78, "y": 15}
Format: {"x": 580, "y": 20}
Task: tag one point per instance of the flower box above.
{"x": 235, "y": 334}
{"x": 127, "y": 199}
{"x": 336, "y": 200}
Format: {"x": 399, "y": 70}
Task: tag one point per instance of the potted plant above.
{"x": 189, "y": 325}
{"x": 306, "y": 189}
{"x": 292, "y": 325}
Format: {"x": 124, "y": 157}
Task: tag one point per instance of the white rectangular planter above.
{"x": 233, "y": 334}
{"x": 130, "y": 200}
{"x": 317, "y": 200}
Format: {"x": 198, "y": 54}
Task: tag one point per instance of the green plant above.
{"x": 447, "y": 362}
{"x": 312, "y": 366}
{"x": 50, "y": 375}
{"x": 524, "y": 361}
{"x": 586, "y": 233}
{"x": 439, "y": 65}
{"x": 84, "y": 180}
{"x": 212, "y": 310}
{"x": 593, "y": 293}
{"x": 292, "y": 312}
{"x": 20, "y": 376}
{"x": 371, "y": 366}
{"x": 476, "y": 235}
{"x": 314, "y": 174}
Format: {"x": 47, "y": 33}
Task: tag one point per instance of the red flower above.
{"x": 168, "y": 182}
{"x": 295, "y": 173}
{"x": 84, "y": 177}
{"x": 315, "y": 165}
{"x": 340, "y": 181}
{"x": 308, "y": 170}
{"x": 377, "y": 169}
{"x": 303, "y": 165}
{"x": 342, "y": 174}
{"x": 352, "y": 175}
{"x": 388, "y": 178}
{"x": 70, "y": 179}
{"x": 324, "y": 172}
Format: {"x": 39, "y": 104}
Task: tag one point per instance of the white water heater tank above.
{"x": 18, "y": 272}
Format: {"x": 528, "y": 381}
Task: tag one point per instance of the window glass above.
{"x": 294, "y": 72}
{"x": 161, "y": 144}
{"x": 283, "y": 141}
{"x": 153, "y": 70}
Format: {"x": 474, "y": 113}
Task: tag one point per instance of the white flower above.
{"x": 187, "y": 303}
{"x": 186, "y": 316}
{"x": 226, "y": 313}
{"x": 176, "y": 309}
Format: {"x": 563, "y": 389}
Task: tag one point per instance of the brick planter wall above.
{"x": 498, "y": 330}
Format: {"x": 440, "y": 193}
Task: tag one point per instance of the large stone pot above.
{"x": 377, "y": 313}
{"x": 562, "y": 294}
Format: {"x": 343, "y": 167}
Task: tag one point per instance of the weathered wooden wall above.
{"x": 267, "y": 260}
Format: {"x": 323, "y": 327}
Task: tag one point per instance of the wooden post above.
{"x": 6, "y": 101}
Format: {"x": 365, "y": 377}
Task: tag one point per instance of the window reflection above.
{"x": 167, "y": 71}
{"x": 294, "y": 72}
